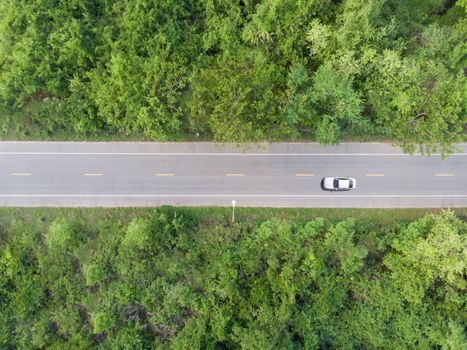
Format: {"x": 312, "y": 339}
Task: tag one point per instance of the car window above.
{"x": 336, "y": 183}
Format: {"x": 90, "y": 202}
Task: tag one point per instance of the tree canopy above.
{"x": 165, "y": 279}
{"x": 235, "y": 70}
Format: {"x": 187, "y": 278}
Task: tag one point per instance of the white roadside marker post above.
{"x": 233, "y": 210}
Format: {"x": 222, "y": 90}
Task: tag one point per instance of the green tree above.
{"x": 101, "y": 321}
{"x": 238, "y": 99}
{"x": 421, "y": 102}
{"x": 336, "y": 103}
{"x": 59, "y": 234}
{"x": 93, "y": 273}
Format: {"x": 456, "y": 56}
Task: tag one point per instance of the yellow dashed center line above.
{"x": 93, "y": 174}
{"x": 375, "y": 175}
{"x": 21, "y": 174}
{"x": 234, "y": 174}
{"x": 304, "y": 174}
{"x": 166, "y": 174}
{"x": 444, "y": 174}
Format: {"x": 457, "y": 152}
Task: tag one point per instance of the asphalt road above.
{"x": 200, "y": 174}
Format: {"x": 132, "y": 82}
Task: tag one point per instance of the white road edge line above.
{"x": 241, "y": 195}
{"x": 21, "y": 174}
{"x": 93, "y": 174}
{"x": 304, "y": 174}
{"x": 444, "y": 174}
{"x": 234, "y": 175}
{"x": 165, "y": 175}
{"x": 380, "y": 175}
{"x": 216, "y": 154}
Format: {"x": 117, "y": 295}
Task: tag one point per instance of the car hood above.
{"x": 328, "y": 182}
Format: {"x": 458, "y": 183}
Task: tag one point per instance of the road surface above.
{"x": 204, "y": 174}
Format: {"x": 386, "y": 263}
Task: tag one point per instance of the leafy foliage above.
{"x": 165, "y": 281}
{"x": 235, "y": 70}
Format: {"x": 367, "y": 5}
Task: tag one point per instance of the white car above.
{"x": 338, "y": 183}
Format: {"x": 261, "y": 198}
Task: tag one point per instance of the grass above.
{"x": 70, "y": 136}
{"x": 382, "y": 216}
{"x": 209, "y": 217}
{"x": 25, "y": 126}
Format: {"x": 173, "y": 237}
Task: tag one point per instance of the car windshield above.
{"x": 351, "y": 183}
{"x": 336, "y": 183}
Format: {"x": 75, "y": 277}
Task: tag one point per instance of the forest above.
{"x": 168, "y": 279}
{"x": 235, "y": 70}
